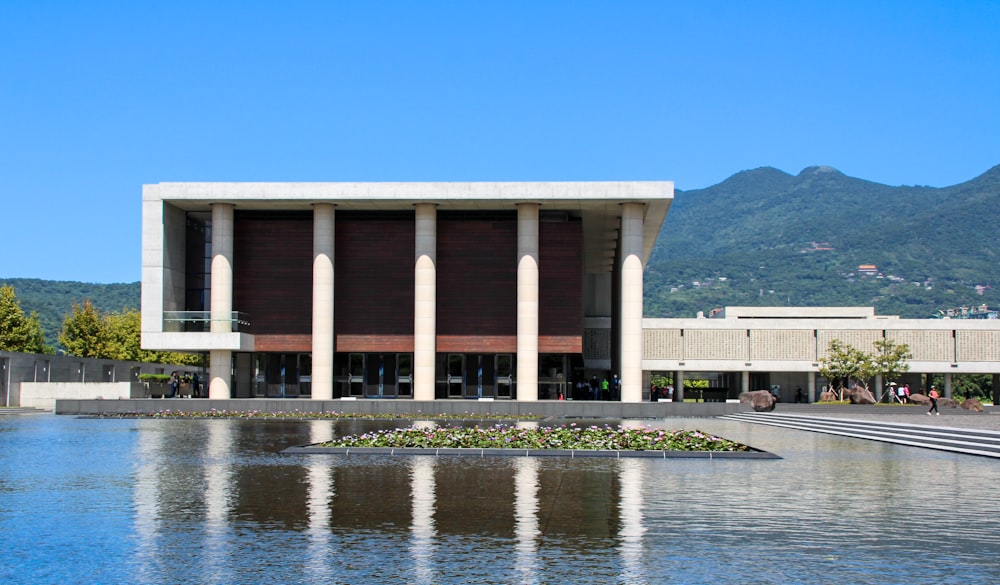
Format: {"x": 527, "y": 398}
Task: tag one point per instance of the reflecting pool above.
{"x": 213, "y": 501}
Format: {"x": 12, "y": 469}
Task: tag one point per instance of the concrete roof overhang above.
{"x": 597, "y": 204}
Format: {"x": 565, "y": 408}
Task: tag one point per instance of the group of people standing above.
{"x": 175, "y": 383}
{"x": 657, "y": 393}
{"x": 598, "y": 388}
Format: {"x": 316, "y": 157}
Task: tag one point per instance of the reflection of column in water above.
{"x": 630, "y": 536}
{"x": 320, "y": 493}
{"x": 146, "y": 492}
{"x": 218, "y": 500}
{"x": 526, "y": 518}
{"x": 427, "y": 425}
{"x": 422, "y": 532}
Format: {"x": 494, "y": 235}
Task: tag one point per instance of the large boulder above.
{"x": 920, "y": 399}
{"x": 759, "y": 400}
{"x": 859, "y": 395}
{"x": 947, "y": 403}
{"x": 828, "y": 396}
{"x": 972, "y": 404}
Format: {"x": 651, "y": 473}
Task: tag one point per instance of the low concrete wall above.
{"x": 46, "y": 394}
{"x": 472, "y": 408}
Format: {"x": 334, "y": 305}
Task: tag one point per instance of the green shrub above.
{"x": 154, "y": 377}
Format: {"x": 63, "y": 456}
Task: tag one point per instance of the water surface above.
{"x": 213, "y": 501}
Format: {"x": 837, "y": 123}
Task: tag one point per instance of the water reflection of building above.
{"x": 419, "y": 505}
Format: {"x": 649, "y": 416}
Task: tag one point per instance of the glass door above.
{"x": 387, "y": 371}
{"x": 473, "y": 376}
{"x": 356, "y": 374}
{"x": 505, "y": 375}
{"x": 404, "y": 373}
{"x": 455, "y": 375}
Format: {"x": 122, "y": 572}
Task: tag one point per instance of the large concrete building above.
{"x": 433, "y": 291}
{"x": 781, "y": 348}
{"x": 401, "y": 290}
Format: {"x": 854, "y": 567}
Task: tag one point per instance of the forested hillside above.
{"x": 54, "y": 299}
{"x": 764, "y": 237}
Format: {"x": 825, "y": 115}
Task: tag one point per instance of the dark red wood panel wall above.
{"x": 272, "y": 271}
{"x": 477, "y": 275}
{"x": 373, "y": 286}
{"x": 373, "y": 283}
{"x": 560, "y": 287}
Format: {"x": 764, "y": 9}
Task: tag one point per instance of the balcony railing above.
{"x": 201, "y": 321}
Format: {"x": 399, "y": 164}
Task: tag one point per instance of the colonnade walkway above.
{"x": 958, "y": 431}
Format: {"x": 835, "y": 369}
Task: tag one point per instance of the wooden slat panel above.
{"x": 374, "y": 343}
{"x": 283, "y": 343}
{"x": 373, "y": 283}
{"x": 560, "y": 286}
{"x": 560, "y": 344}
{"x": 477, "y": 343}
{"x": 477, "y": 276}
{"x": 272, "y": 271}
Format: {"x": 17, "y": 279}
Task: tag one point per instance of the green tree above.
{"x": 123, "y": 336}
{"x": 83, "y": 333}
{"x": 890, "y": 359}
{"x": 18, "y": 332}
{"x": 116, "y": 336}
{"x": 845, "y": 362}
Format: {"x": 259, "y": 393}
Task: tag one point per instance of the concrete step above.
{"x": 22, "y": 410}
{"x": 958, "y": 440}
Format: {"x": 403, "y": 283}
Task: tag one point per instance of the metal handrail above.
{"x": 201, "y": 321}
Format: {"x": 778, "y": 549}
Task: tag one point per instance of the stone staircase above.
{"x": 958, "y": 440}
{"x": 22, "y": 410}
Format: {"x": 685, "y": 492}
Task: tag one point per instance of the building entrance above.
{"x": 379, "y": 375}
{"x": 475, "y": 375}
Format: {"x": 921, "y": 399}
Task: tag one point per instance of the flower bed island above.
{"x": 565, "y": 440}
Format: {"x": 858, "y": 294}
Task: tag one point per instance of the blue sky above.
{"x": 98, "y": 98}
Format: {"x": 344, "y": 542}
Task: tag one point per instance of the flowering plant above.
{"x": 560, "y": 437}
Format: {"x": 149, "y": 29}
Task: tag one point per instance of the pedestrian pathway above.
{"x": 972, "y": 441}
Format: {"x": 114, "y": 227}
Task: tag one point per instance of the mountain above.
{"x": 765, "y": 237}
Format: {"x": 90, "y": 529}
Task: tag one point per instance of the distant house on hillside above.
{"x": 819, "y": 247}
{"x": 867, "y": 270}
{"x": 980, "y": 312}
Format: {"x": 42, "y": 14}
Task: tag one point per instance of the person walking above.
{"x": 934, "y": 397}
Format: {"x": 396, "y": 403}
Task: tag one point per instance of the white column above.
{"x": 322, "y": 307}
{"x": 220, "y": 361}
{"x": 526, "y": 524}
{"x": 632, "y": 533}
{"x": 746, "y": 381}
{"x": 319, "y": 550}
{"x": 527, "y": 302}
{"x": 425, "y": 302}
{"x": 218, "y": 478}
{"x": 423, "y": 531}
{"x": 679, "y": 386}
{"x": 811, "y": 388}
{"x": 947, "y": 385}
{"x": 631, "y": 302}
